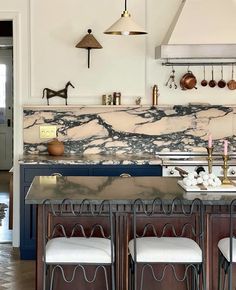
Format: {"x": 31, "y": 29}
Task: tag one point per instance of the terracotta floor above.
{"x": 14, "y": 273}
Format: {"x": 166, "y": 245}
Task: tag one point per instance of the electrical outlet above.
{"x": 47, "y": 132}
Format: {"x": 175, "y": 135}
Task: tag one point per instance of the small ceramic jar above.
{"x": 56, "y": 147}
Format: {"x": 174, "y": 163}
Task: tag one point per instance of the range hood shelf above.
{"x": 170, "y": 63}
{"x": 196, "y": 51}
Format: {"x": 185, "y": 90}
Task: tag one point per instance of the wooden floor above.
{"x": 15, "y": 274}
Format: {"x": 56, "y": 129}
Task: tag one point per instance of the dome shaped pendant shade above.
{"x": 125, "y": 26}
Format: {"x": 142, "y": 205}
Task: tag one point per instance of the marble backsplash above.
{"x": 131, "y": 130}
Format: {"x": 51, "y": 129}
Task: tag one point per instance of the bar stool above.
{"x": 151, "y": 246}
{"x": 227, "y": 254}
{"x": 80, "y": 245}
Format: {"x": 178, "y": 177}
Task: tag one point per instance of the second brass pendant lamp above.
{"x": 125, "y": 25}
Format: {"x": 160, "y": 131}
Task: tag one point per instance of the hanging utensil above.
{"x": 212, "y": 82}
{"x": 232, "y": 83}
{"x": 204, "y": 82}
{"x": 222, "y": 82}
{"x": 188, "y": 81}
{"x": 171, "y": 81}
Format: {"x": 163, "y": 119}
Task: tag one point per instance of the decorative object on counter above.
{"x": 171, "y": 81}
{"x": 89, "y": 42}
{"x": 209, "y": 158}
{"x": 225, "y": 170}
{"x": 203, "y": 180}
{"x": 204, "y": 82}
{"x": 188, "y": 81}
{"x": 125, "y": 25}
{"x": 212, "y": 82}
{"x": 116, "y": 98}
{"x": 61, "y": 93}
{"x": 56, "y": 147}
{"x": 110, "y": 100}
{"x": 155, "y": 95}
{"x": 225, "y": 165}
{"x": 105, "y": 100}
{"x": 222, "y": 82}
{"x": 232, "y": 83}
{"x": 138, "y": 101}
{"x": 209, "y": 153}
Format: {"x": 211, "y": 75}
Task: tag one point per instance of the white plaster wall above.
{"x": 202, "y": 21}
{"x": 57, "y": 26}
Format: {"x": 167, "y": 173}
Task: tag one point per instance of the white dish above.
{"x": 223, "y": 188}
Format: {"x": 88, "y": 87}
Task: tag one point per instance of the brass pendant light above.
{"x": 125, "y": 25}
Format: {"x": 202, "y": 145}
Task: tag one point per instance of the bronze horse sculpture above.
{"x": 61, "y": 93}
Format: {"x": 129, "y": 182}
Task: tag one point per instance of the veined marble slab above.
{"x": 131, "y": 130}
{"x": 91, "y": 159}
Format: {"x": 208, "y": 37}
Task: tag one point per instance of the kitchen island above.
{"x": 122, "y": 192}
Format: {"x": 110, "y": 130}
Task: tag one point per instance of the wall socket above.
{"x": 47, "y": 132}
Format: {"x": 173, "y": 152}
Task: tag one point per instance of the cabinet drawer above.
{"x": 31, "y": 172}
{"x": 110, "y": 170}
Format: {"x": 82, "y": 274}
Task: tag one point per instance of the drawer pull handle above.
{"x": 56, "y": 174}
{"x": 125, "y": 175}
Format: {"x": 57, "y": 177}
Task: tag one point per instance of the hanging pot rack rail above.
{"x": 226, "y": 63}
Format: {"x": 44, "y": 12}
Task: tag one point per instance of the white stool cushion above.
{"x": 223, "y": 245}
{"x": 78, "y": 250}
{"x": 166, "y": 250}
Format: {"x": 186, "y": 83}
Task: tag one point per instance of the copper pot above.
{"x": 232, "y": 83}
{"x": 188, "y": 81}
{"x": 55, "y": 147}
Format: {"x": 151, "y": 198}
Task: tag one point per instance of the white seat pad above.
{"x": 166, "y": 250}
{"x": 78, "y": 250}
{"x": 223, "y": 245}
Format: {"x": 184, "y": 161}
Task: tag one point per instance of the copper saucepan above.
{"x": 212, "y": 82}
{"x": 222, "y": 82}
{"x": 188, "y": 81}
{"x": 232, "y": 83}
{"x": 204, "y": 82}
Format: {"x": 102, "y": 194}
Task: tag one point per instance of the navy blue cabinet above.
{"x": 27, "y": 174}
{"x": 133, "y": 170}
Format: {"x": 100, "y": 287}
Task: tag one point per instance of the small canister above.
{"x": 117, "y": 99}
{"x": 105, "y": 100}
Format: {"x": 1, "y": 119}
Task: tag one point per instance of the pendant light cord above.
{"x": 125, "y": 5}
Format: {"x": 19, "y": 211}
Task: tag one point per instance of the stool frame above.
{"x": 196, "y": 270}
{"x": 223, "y": 264}
{"x": 86, "y": 208}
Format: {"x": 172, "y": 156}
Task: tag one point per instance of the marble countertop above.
{"x": 144, "y": 159}
{"x": 93, "y": 159}
{"x": 117, "y": 189}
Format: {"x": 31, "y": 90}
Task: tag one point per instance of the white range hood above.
{"x": 201, "y": 29}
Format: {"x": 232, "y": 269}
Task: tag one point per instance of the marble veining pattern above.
{"x": 131, "y": 130}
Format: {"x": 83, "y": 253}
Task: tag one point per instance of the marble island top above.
{"x": 117, "y": 189}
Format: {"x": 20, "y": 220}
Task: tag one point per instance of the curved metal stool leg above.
{"x": 220, "y": 266}
{"x": 188, "y": 277}
{"x": 52, "y": 278}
